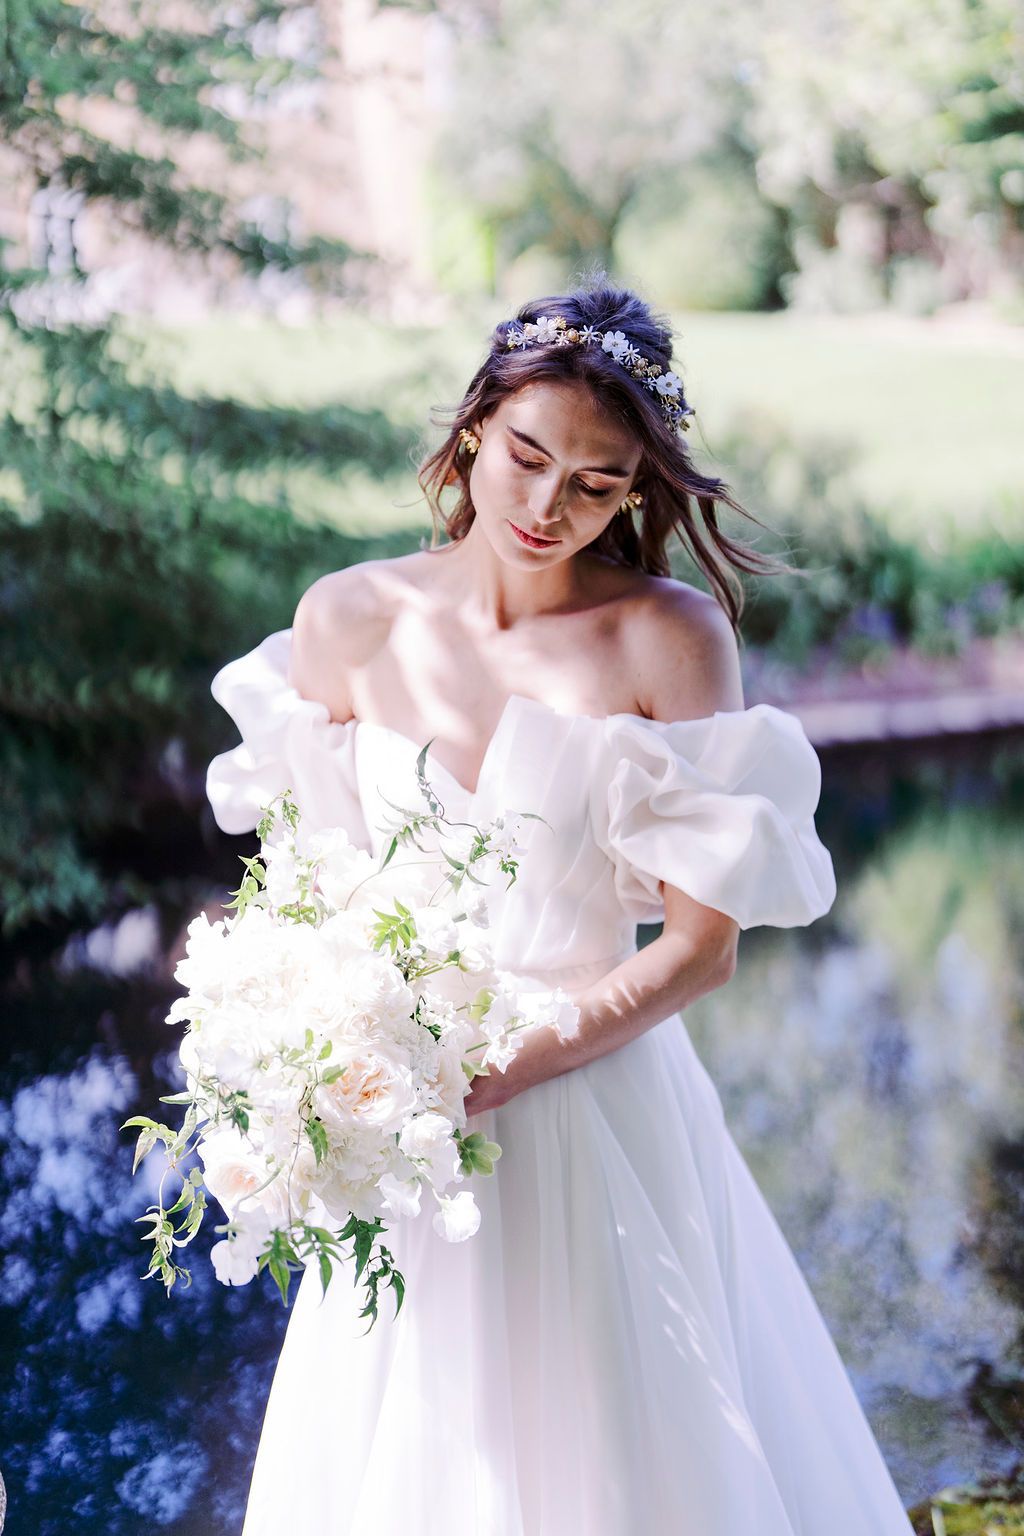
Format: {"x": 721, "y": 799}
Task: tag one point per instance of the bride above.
{"x": 627, "y": 1343}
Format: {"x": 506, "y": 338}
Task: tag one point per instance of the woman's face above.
{"x": 552, "y": 463}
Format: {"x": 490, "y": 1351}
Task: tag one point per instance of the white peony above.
{"x": 375, "y": 991}
{"x": 436, "y": 931}
{"x": 341, "y": 867}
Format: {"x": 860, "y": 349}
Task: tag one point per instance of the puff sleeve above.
{"x": 288, "y": 742}
{"x": 722, "y": 808}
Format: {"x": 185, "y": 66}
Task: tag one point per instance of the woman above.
{"x": 627, "y": 1343}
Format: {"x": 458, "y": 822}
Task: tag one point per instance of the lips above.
{"x": 531, "y": 539}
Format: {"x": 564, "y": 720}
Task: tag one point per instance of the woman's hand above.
{"x": 541, "y": 1054}
{"x": 489, "y": 1091}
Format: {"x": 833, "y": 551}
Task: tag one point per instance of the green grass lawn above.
{"x": 935, "y": 420}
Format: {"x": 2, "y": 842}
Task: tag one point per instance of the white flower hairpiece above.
{"x": 555, "y": 330}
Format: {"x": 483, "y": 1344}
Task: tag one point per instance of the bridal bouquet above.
{"x": 334, "y": 1024}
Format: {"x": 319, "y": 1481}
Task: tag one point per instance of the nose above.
{"x": 545, "y": 499}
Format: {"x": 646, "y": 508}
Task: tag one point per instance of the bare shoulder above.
{"x": 683, "y": 651}
{"x": 340, "y": 620}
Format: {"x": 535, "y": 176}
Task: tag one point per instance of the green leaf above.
{"x": 282, "y": 1276}
{"x": 326, "y": 1271}
{"x": 318, "y": 1136}
{"x": 397, "y": 1282}
{"x": 145, "y": 1144}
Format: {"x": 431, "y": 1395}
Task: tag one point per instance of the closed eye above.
{"x": 591, "y": 490}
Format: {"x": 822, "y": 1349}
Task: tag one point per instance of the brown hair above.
{"x": 672, "y": 485}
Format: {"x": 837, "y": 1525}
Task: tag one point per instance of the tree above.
{"x": 134, "y": 553}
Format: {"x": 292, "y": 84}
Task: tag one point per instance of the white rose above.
{"x": 232, "y": 1170}
{"x": 373, "y": 1091}
{"x": 458, "y": 1218}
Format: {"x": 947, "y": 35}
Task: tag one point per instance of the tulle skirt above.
{"x": 627, "y": 1344}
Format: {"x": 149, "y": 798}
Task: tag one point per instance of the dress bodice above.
{"x": 722, "y": 807}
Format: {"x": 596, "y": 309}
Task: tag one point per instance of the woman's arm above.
{"x": 694, "y": 954}
{"x": 697, "y": 672}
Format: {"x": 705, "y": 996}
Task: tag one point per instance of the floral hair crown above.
{"x": 555, "y": 329}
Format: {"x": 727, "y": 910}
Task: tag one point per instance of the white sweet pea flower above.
{"x": 501, "y": 1051}
{"x": 235, "y": 1257}
{"x": 554, "y": 1009}
{"x": 476, "y": 909}
{"x": 458, "y": 1218}
{"x": 459, "y": 842}
{"x": 427, "y": 1142}
{"x": 282, "y": 873}
{"x": 401, "y": 1196}
{"x": 503, "y": 837}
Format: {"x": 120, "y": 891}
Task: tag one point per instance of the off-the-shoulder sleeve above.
{"x": 722, "y": 808}
{"x": 288, "y": 742}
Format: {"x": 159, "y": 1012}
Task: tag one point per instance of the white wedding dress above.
{"x": 627, "y": 1344}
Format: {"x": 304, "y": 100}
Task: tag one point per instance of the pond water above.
{"x": 871, "y": 1070}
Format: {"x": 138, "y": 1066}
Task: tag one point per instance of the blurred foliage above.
{"x": 884, "y": 145}
{"x": 708, "y": 241}
{"x": 130, "y": 567}
{"x": 990, "y": 1507}
{"x": 132, "y": 561}
{"x": 868, "y": 585}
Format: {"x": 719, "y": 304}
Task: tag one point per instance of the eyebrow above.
{"x": 593, "y": 469}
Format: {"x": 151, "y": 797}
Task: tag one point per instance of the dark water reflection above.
{"x": 871, "y": 1069}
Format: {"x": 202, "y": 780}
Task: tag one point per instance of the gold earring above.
{"x": 470, "y": 439}
{"x": 634, "y": 499}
